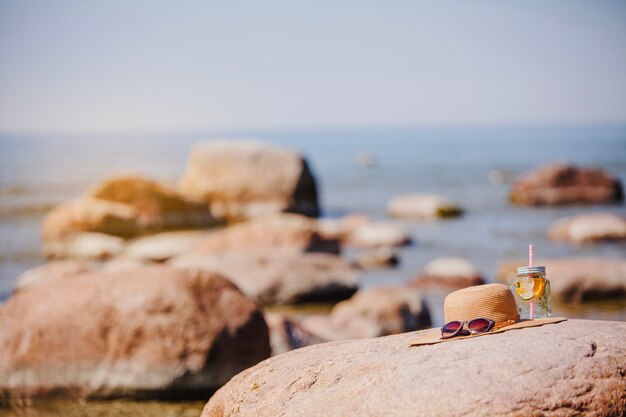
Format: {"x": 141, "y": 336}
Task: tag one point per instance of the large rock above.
{"x": 448, "y": 273}
{"x": 586, "y": 228}
{"x": 567, "y": 369}
{"x": 558, "y": 183}
{"x": 422, "y": 206}
{"x": 147, "y": 332}
{"x": 280, "y": 277}
{"x": 247, "y": 178}
{"x": 126, "y": 206}
{"x": 372, "y": 312}
{"x": 287, "y": 334}
{"x": 277, "y": 231}
{"x": 576, "y": 279}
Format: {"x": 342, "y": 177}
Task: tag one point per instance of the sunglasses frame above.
{"x": 462, "y": 326}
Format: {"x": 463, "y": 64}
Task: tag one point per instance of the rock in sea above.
{"x": 85, "y": 246}
{"x": 372, "y": 312}
{"x": 448, "y": 273}
{"x": 576, "y": 279}
{"x": 163, "y": 246}
{"x": 280, "y": 276}
{"x": 246, "y": 178}
{"x": 589, "y": 228}
{"x": 148, "y": 332}
{"x": 416, "y": 206}
{"x": 125, "y": 206}
{"x": 379, "y": 234}
{"x": 570, "y": 368}
{"x": 285, "y": 231}
{"x": 558, "y": 183}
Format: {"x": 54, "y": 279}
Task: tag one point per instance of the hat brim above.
{"x": 432, "y": 336}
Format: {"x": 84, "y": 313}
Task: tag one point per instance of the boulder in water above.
{"x": 241, "y": 179}
{"x": 148, "y": 332}
{"x": 558, "y": 184}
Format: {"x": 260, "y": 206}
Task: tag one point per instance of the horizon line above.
{"x": 242, "y": 131}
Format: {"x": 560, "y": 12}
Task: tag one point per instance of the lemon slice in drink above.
{"x": 529, "y": 288}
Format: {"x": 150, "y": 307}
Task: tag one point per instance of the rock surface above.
{"x": 378, "y": 234}
{"x": 449, "y": 273}
{"x": 572, "y": 368}
{"x": 163, "y": 246}
{"x": 125, "y": 206}
{"x": 84, "y": 245}
{"x": 247, "y": 178}
{"x": 586, "y": 228}
{"x": 422, "y": 206}
{"x": 50, "y": 271}
{"x": 280, "y": 277}
{"x": 89, "y": 215}
{"x": 558, "y": 183}
{"x": 576, "y": 279}
{"x": 286, "y": 334}
{"x": 372, "y": 312}
{"x": 278, "y": 231}
{"x": 147, "y": 332}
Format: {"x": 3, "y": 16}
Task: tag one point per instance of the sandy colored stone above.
{"x": 278, "y": 276}
{"x": 90, "y": 215}
{"x": 125, "y": 206}
{"x": 585, "y": 228}
{"x": 576, "y": 279}
{"x": 285, "y": 231}
{"x": 372, "y": 312}
{"x": 572, "y": 368}
{"x": 418, "y": 206}
{"x": 559, "y": 183}
{"x": 146, "y": 332}
{"x": 448, "y": 273}
{"x": 378, "y": 234}
{"x": 157, "y": 207}
{"x": 163, "y": 246}
{"x": 248, "y": 178}
{"x": 287, "y": 334}
{"x": 84, "y": 245}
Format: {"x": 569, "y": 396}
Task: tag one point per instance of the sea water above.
{"x": 474, "y": 167}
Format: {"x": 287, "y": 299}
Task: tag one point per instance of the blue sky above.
{"x": 166, "y": 66}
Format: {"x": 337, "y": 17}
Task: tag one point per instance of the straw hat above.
{"x": 490, "y": 301}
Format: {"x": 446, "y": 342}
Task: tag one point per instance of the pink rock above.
{"x": 557, "y": 183}
{"x": 146, "y": 332}
{"x": 570, "y": 368}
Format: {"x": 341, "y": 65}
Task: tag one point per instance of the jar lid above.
{"x": 526, "y": 270}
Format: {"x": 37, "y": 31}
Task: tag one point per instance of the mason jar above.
{"x": 532, "y": 292}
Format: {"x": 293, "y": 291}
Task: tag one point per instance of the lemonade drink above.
{"x": 532, "y": 292}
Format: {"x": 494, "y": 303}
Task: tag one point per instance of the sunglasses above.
{"x": 474, "y": 326}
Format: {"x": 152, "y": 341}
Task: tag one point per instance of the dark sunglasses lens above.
{"x": 451, "y": 327}
{"x": 478, "y": 325}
